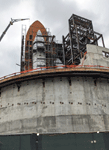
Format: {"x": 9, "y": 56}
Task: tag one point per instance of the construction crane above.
{"x": 11, "y": 23}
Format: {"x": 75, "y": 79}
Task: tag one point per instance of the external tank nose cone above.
{"x": 38, "y": 41}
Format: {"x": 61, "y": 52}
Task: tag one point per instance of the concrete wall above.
{"x": 95, "y": 56}
{"x": 55, "y": 105}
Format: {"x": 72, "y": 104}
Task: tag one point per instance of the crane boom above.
{"x": 11, "y": 23}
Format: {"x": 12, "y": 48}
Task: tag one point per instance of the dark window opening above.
{"x": 26, "y": 56}
{"x": 31, "y": 36}
{"x": 30, "y": 42}
{"x": 105, "y": 54}
{"x": 30, "y": 48}
{"x": 27, "y": 42}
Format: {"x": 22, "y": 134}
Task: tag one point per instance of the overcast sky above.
{"x": 53, "y": 14}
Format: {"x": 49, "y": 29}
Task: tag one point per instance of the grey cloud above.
{"x": 8, "y": 4}
{"x": 54, "y": 14}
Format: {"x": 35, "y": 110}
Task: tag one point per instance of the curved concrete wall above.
{"x": 55, "y": 105}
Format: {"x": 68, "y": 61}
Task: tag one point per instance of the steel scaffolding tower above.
{"x": 80, "y": 34}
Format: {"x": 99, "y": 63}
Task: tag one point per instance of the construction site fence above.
{"x": 53, "y": 67}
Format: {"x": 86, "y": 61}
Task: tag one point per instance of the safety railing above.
{"x": 53, "y": 67}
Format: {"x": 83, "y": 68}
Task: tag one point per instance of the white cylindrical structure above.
{"x": 39, "y": 54}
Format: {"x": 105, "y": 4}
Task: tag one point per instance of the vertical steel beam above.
{"x": 103, "y": 41}
{"x": 63, "y": 49}
{"x": 78, "y": 47}
{"x": 71, "y": 45}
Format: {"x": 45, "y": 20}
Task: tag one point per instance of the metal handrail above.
{"x": 53, "y": 67}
